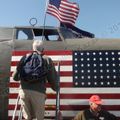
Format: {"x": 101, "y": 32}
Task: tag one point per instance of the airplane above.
{"x": 70, "y": 48}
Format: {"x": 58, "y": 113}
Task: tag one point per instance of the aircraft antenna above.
{"x": 33, "y": 21}
{"x": 44, "y": 19}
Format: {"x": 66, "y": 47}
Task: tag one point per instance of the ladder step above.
{"x": 50, "y": 106}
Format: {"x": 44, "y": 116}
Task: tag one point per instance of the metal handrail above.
{"x": 20, "y": 114}
{"x": 58, "y": 94}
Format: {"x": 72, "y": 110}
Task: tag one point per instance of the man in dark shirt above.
{"x": 94, "y": 112}
{"x": 33, "y": 95}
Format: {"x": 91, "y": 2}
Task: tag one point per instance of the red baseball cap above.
{"x": 95, "y": 99}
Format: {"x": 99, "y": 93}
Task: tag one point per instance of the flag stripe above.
{"x": 60, "y": 16}
{"x": 62, "y": 73}
{"x": 73, "y": 107}
{"x": 49, "y": 53}
{"x": 78, "y": 90}
{"x": 76, "y": 102}
{"x": 70, "y": 5}
{"x": 55, "y": 58}
{"x": 66, "y": 113}
{"x": 75, "y": 96}
{"x": 62, "y": 68}
{"x": 63, "y": 79}
{"x": 62, "y": 63}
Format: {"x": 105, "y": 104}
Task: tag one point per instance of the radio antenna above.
{"x": 44, "y": 22}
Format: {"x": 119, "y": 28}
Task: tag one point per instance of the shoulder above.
{"x": 28, "y": 54}
{"x": 109, "y": 115}
{"x": 25, "y": 56}
{"x": 48, "y": 59}
{"x": 80, "y": 115}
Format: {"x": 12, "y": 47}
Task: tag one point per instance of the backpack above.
{"x": 33, "y": 68}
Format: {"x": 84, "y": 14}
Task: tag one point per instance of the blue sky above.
{"x": 100, "y": 17}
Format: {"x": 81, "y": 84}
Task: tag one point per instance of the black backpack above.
{"x": 33, "y": 68}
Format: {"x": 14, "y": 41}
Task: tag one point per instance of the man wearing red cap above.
{"x": 94, "y": 112}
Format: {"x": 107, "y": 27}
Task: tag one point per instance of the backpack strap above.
{"x": 28, "y": 56}
{"x": 40, "y": 59}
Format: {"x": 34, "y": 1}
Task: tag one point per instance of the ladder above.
{"x": 15, "y": 110}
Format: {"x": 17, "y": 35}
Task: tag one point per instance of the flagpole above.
{"x": 45, "y": 14}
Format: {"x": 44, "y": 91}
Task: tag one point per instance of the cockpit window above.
{"x": 24, "y": 34}
{"x": 47, "y": 37}
{"x": 37, "y": 34}
{"x": 47, "y": 34}
{"x": 53, "y": 37}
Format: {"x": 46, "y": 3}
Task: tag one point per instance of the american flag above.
{"x": 65, "y": 11}
{"x": 77, "y": 86}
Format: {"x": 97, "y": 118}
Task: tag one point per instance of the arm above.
{"x": 108, "y": 115}
{"x": 16, "y": 73}
{"x": 52, "y": 75}
{"x": 112, "y": 117}
{"x": 80, "y": 116}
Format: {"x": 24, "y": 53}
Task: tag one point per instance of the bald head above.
{"x": 38, "y": 45}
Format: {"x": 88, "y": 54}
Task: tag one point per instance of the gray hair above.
{"x": 38, "y": 45}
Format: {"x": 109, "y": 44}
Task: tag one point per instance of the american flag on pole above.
{"x": 82, "y": 74}
{"x": 65, "y": 11}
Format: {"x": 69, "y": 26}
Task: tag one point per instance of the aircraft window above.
{"x": 39, "y": 38}
{"x": 47, "y": 37}
{"x": 53, "y": 37}
{"x": 25, "y": 34}
{"x": 48, "y": 34}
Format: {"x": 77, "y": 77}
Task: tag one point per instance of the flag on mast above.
{"x": 65, "y": 11}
